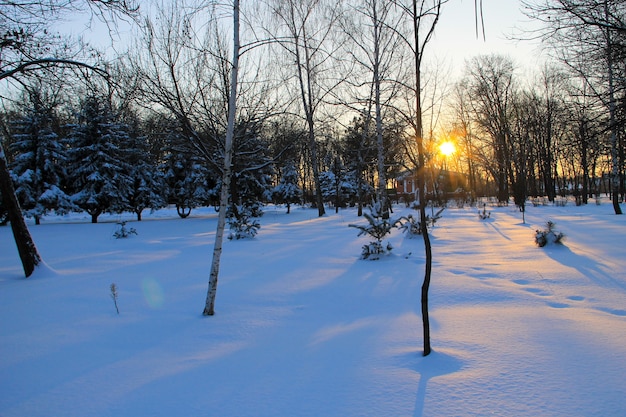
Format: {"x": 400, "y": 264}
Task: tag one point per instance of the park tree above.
{"x": 209, "y": 307}
{"x": 589, "y": 37}
{"x": 491, "y": 91}
{"x": 305, "y": 31}
{"x": 422, "y": 16}
{"x": 98, "y": 163}
{"x": 288, "y": 191}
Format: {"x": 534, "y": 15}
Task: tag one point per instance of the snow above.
{"x": 303, "y": 327}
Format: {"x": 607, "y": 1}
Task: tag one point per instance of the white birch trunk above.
{"x": 209, "y": 308}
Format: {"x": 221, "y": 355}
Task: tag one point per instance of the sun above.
{"x": 447, "y": 148}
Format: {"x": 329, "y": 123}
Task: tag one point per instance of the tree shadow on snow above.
{"x": 435, "y": 365}
{"x": 587, "y": 266}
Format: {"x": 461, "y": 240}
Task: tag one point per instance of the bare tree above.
{"x": 492, "y": 90}
{"x": 305, "y": 32}
{"x": 376, "y": 49}
{"x": 593, "y": 33}
{"x": 423, "y": 16}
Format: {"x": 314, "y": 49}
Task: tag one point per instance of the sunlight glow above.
{"x": 447, "y": 148}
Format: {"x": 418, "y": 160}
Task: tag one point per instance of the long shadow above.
{"x": 587, "y": 266}
{"x": 432, "y": 366}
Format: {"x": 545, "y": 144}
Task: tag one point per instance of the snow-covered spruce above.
{"x": 287, "y": 191}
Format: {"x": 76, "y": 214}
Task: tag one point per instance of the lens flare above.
{"x": 152, "y": 292}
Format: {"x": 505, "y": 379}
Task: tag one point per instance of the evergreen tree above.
{"x": 37, "y": 169}
{"x": 98, "y": 162}
{"x": 186, "y": 178}
{"x": 147, "y": 182}
{"x": 287, "y": 191}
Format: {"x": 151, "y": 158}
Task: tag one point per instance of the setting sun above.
{"x": 447, "y": 148}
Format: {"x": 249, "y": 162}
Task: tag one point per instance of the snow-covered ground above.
{"x": 305, "y": 328}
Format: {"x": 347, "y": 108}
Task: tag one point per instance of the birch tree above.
{"x": 305, "y": 30}
{"x": 209, "y": 307}
{"x": 376, "y": 50}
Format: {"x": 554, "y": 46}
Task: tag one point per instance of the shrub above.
{"x": 378, "y": 228}
{"x": 412, "y": 226}
{"x": 548, "y": 235}
{"x": 242, "y": 223}
{"x": 123, "y": 231}
{"x": 484, "y": 215}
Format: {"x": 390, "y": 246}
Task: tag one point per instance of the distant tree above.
{"x": 98, "y": 163}
{"x": 304, "y": 29}
{"x": 252, "y": 165}
{"x": 589, "y": 37}
{"x": 287, "y": 191}
{"x": 147, "y": 183}
{"x": 186, "y": 179}
{"x": 492, "y": 88}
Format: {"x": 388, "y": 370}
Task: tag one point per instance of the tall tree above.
{"x": 491, "y": 84}
{"x": 40, "y": 157}
{"x": 305, "y": 32}
{"x": 376, "y": 49}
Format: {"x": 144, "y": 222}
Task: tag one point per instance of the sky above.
{"x": 455, "y": 35}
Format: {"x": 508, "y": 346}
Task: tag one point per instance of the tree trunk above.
{"x": 615, "y": 177}
{"x": 419, "y": 137}
{"x": 209, "y": 307}
{"x": 382, "y": 180}
{"x": 25, "y": 245}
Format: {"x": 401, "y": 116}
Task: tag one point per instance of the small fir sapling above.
{"x": 114, "y": 296}
{"x": 377, "y": 228}
{"x": 412, "y": 225}
{"x": 548, "y": 235}
{"x": 242, "y": 224}
{"x": 123, "y": 231}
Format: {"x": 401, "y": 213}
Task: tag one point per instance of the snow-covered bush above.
{"x": 548, "y": 235}
{"x": 123, "y": 231}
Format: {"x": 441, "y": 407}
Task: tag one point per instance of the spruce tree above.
{"x": 287, "y": 191}
{"x": 147, "y": 183}
{"x": 98, "y": 162}
{"x": 38, "y": 166}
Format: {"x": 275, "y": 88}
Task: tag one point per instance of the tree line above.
{"x": 326, "y": 94}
